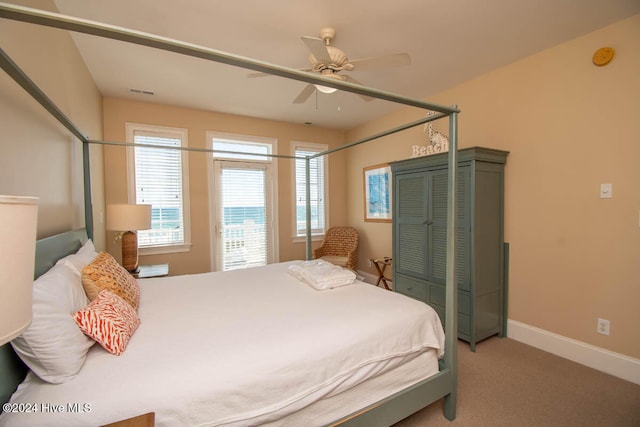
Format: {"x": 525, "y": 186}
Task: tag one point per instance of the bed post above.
{"x": 451, "y": 316}
{"x": 307, "y": 176}
{"x": 86, "y": 173}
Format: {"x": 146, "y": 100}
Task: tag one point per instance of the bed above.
{"x": 305, "y": 331}
{"x": 377, "y": 398}
{"x": 246, "y": 347}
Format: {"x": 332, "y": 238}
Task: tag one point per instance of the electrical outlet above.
{"x": 603, "y": 327}
{"x": 369, "y": 261}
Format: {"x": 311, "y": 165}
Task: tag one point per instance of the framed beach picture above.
{"x": 377, "y": 193}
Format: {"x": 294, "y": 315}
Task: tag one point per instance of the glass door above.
{"x": 243, "y": 214}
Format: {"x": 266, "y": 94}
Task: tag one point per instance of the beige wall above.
{"x": 39, "y": 157}
{"x": 569, "y": 126}
{"x": 117, "y": 112}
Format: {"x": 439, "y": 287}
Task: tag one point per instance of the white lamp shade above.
{"x": 18, "y": 225}
{"x": 126, "y": 217}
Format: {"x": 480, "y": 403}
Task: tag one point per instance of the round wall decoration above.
{"x": 603, "y": 56}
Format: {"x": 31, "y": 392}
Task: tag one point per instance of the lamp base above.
{"x": 130, "y": 251}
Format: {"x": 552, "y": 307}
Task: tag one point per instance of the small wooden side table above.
{"x": 156, "y": 270}
{"x": 144, "y": 420}
{"x": 381, "y": 264}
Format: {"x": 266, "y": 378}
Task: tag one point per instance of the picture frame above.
{"x": 377, "y": 193}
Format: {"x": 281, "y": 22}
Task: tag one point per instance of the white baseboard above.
{"x": 612, "y": 363}
{"x": 368, "y": 277}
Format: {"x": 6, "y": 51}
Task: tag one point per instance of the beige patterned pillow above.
{"x": 104, "y": 272}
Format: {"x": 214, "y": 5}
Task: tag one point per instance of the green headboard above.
{"x": 48, "y": 252}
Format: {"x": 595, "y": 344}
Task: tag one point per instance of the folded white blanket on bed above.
{"x": 321, "y": 275}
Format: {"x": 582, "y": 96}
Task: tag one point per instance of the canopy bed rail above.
{"x": 384, "y": 412}
{"x": 56, "y": 20}
{"x": 20, "y": 77}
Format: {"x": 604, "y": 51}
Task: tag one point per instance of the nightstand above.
{"x": 147, "y": 271}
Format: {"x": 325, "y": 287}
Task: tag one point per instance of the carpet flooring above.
{"x": 508, "y": 383}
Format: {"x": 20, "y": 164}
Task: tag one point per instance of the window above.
{"x": 317, "y": 169}
{"x": 158, "y": 177}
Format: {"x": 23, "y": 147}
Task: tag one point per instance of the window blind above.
{"x": 240, "y": 147}
{"x": 316, "y": 180}
{"x": 158, "y": 182}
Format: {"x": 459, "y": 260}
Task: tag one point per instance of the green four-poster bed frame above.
{"x": 389, "y": 410}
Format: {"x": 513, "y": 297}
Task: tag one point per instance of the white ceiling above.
{"x": 449, "y": 41}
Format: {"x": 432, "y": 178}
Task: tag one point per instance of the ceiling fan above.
{"x": 329, "y": 61}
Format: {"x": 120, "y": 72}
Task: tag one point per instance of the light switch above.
{"x": 606, "y": 191}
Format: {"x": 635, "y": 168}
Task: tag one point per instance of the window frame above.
{"x": 318, "y": 148}
{"x": 169, "y": 132}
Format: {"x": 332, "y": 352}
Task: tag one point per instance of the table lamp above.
{"x": 18, "y": 225}
{"x": 127, "y": 219}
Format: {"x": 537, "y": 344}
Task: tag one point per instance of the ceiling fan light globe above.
{"x": 326, "y": 89}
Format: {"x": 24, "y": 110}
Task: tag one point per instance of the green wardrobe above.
{"x": 419, "y": 237}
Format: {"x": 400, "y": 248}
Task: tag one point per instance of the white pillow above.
{"x": 76, "y": 262}
{"x": 53, "y": 346}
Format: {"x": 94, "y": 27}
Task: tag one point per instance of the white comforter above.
{"x": 238, "y": 348}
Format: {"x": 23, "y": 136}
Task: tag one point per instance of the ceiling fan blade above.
{"x": 304, "y": 94}
{"x": 394, "y": 60}
{"x": 318, "y": 49}
{"x": 352, "y": 80}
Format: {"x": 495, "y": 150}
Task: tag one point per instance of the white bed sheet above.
{"x": 244, "y": 347}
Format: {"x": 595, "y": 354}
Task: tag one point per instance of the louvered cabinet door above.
{"x": 410, "y": 224}
{"x": 437, "y": 236}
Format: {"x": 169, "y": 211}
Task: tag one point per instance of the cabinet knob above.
{"x": 428, "y": 222}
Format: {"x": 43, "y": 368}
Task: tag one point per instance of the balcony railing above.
{"x": 245, "y": 245}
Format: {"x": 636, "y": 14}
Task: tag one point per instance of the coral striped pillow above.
{"x": 109, "y": 320}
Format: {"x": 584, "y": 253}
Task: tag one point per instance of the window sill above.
{"x": 169, "y": 249}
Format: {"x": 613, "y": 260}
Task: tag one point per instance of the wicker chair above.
{"x": 340, "y": 247}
